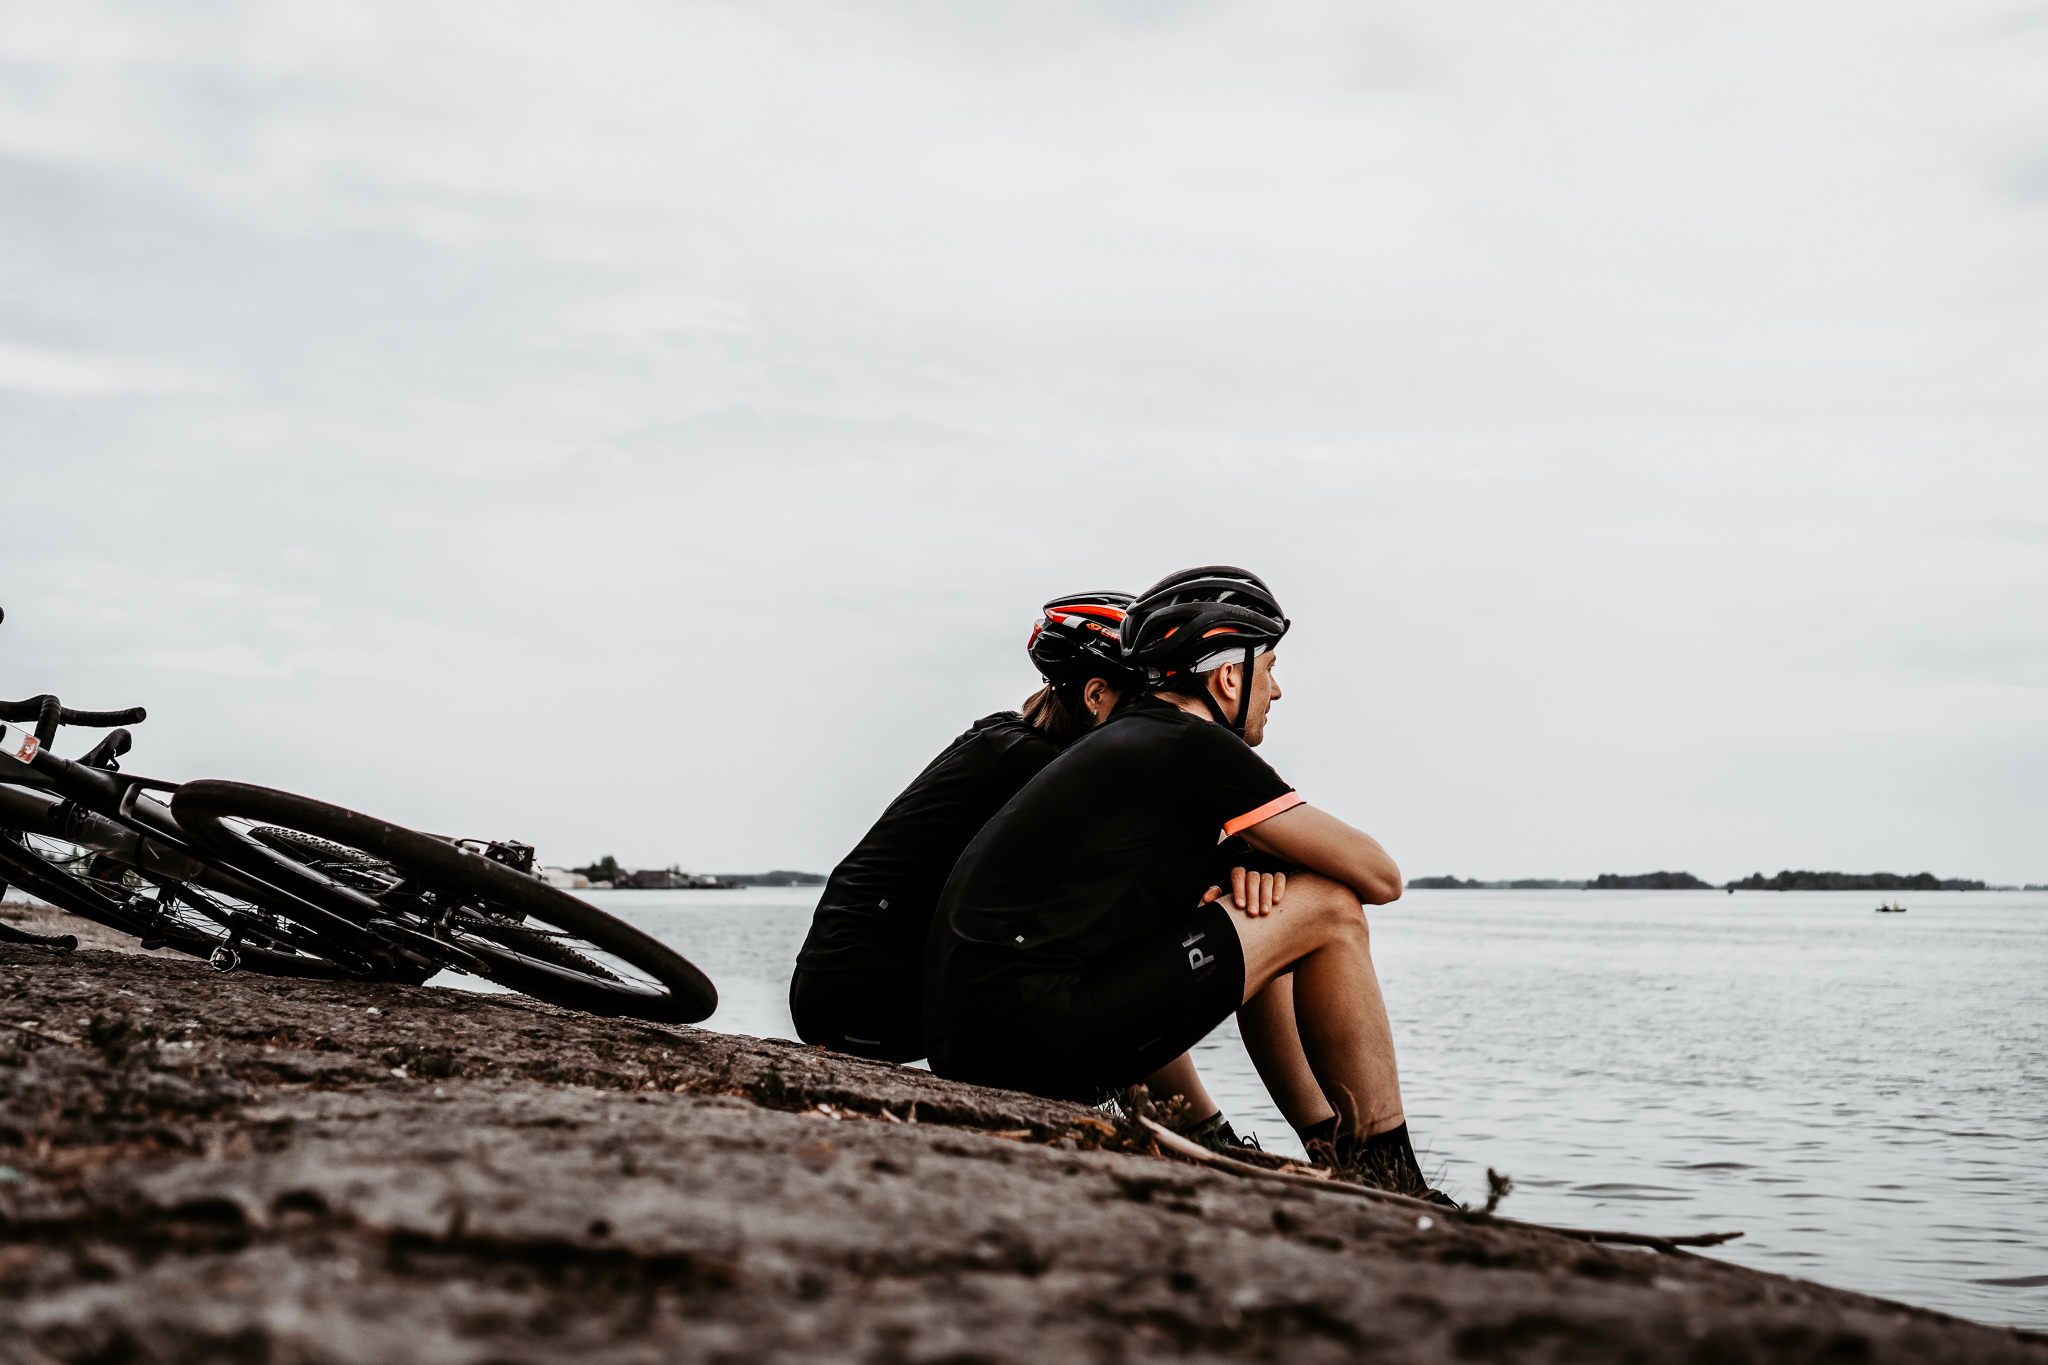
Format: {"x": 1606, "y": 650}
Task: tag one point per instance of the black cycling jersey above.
{"x": 1116, "y": 840}
{"x": 877, "y": 907}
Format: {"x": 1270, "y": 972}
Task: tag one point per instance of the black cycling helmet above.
{"x": 1200, "y": 619}
{"x": 1078, "y": 637}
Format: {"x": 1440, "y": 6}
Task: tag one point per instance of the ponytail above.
{"x": 1060, "y": 715}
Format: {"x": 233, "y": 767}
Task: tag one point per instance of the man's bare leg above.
{"x": 1178, "y": 1077}
{"x": 1319, "y": 933}
{"x": 1273, "y": 1039}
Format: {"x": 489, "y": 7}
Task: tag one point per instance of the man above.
{"x": 1074, "y": 952}
{"x": 856, "y": 984}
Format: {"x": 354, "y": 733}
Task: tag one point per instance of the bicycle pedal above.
{"x": 224, "y": 960}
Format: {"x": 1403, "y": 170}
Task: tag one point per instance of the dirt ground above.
{"x": 37, "y": 918}
{"x": 233, "y": 1168}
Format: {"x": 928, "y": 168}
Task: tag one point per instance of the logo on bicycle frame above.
{"x": 18, "y": 743}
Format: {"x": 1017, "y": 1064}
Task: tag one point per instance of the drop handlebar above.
{"x": 19, "y": 711}
{"x": 48, "y": 714}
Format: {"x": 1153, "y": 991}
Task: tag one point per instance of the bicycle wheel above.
{"x": 434, "y": 894}
{"x": 83, "y": 883}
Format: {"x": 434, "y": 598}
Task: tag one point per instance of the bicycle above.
{"x": 247, "y": 877}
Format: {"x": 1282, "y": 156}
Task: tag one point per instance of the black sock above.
{"x": 1387, "y": 1159}
{"x": 1324, "y": 1133}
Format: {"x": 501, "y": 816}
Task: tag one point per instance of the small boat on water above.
{"x": 1893, "y": 909}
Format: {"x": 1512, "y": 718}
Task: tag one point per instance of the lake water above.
{"x": 1866, "y": 1096}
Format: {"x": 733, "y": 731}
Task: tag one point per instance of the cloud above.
{"x": 2026, "y": 181}
{"x": 226, "y": 661}
{"x": 726, "y": 385}
{"x": 243, "y": 661}
{"x": 80, "y": 374}
{"x": 1387, "y": 57}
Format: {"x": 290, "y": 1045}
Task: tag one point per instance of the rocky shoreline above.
{"x": 205, "y": 1167}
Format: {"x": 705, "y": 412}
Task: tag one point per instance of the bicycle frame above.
{"x": 111, "y": 813}
{"x": 247, "y": 876}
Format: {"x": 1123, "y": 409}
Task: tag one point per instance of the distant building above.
{"x": 779, "y": 877}
{"x": 674, "y": 879}
{"x": 564, "y": 878}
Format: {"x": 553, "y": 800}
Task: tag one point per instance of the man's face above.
{"x": 1265, "y": 691}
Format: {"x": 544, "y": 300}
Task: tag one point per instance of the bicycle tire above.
{"x": 76, "y": 896}
{"x": 347, "y": 864}
{"x": 102, "y": 870}
{"x": 499, "y": 906}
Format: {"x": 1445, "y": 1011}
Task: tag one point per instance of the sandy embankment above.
{"x": 209, "y": 1167}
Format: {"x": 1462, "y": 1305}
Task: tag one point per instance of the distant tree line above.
{"x": 1519, "y": 884}
{"x": 1853, "y": 881}
{"x": 1648, "y": 881}
{"x": 1685, "y": 881}
{"x": 607, "y": 869}
{"x": 1606, "y": 881}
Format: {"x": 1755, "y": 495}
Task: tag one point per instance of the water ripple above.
{"x": 1758, "y": 1058}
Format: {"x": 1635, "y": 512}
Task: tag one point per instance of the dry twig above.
{"x": 47, "y": 1035}
{"x": 1193, "y": 1151}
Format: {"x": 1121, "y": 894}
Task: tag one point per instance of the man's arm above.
{"x": 1322, "y": 843}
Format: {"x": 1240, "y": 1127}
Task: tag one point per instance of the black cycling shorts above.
{"x": 1087, "y": 1034}
{"x": 872, "y": 1013}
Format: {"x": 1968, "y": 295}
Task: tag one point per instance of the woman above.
{"x": 856, "y": 987}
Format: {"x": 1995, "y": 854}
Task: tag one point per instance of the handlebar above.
{"x": 18, "y": 711}
{"x": 41, "y": 709}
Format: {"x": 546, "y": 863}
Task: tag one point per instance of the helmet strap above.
{"x": 1244, "y": 699}
{"x": 1244, "y": 693}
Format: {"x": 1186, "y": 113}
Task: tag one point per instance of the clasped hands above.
{"x": 1255, "y": 893}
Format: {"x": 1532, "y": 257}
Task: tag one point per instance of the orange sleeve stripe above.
{"x": 1265, "y": 812}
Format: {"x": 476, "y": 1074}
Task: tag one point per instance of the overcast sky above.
{"x": 650, "y": 428}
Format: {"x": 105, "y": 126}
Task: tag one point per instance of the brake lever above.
{"x": 103, "y": 754}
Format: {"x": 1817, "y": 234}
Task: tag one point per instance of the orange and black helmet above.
{"x": 1200, "y": 619}
{"x": 1080, "y": 636}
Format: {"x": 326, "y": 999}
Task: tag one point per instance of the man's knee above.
{"x": 1333, "y": 906}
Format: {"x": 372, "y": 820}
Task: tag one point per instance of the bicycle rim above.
{"x": 418, "y": 888}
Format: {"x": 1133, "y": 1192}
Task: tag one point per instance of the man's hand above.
{"x": 1317, "y": 841}
{"x": 1255, "y": 893}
